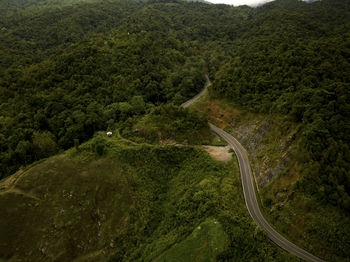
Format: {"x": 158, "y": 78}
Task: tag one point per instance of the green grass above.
{"x": 136, "y": 202}
{"x": 71, "y": 205}
{"x": 204, "y": 244}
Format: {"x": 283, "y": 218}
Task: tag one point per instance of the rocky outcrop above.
{"x": 254, "y": 136}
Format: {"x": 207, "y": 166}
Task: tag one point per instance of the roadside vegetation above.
{"x": 69, "y": 69}
{"x": 130, "y": 203}
{"x": 272, "y": 144}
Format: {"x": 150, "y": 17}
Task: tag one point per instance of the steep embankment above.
{"x": 249, "y": 188}
{"x": 271, "y": 142}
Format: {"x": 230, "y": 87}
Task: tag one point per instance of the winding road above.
{"x": 249, "y": 191}
{"x": 194, "y": 99}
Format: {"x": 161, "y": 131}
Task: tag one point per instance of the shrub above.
{"x": 99, "y": 148}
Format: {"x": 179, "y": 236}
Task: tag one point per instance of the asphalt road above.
{"x": 191, "y": 101}
{"x": 249, "y": 191}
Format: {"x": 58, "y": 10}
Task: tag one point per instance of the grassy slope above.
{"x": 323, "y": 230}
{"x": 65, "y": 208}
{"x": 134, "y": 202}
{"x": 206, "y": 240}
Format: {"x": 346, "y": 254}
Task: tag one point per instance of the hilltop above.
{"x": 280, "y": 84}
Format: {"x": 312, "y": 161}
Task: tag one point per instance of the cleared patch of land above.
{"x": 63, "y": 209}
{"x": 219, "y": 153}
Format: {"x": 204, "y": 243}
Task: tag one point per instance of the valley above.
{"x": 164, "y": 186}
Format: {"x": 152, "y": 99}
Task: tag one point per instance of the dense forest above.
{"x": 300, "y": 68}
{"x": 70, "y": 71}
{"x": 71, "y": 68}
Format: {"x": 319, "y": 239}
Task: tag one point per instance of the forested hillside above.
{"x": 71, "y": 68}
{"x": 299, "y": 67}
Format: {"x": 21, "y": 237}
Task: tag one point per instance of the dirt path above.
{"x": 10, "y": 182}
{"x": 9, "y": 185}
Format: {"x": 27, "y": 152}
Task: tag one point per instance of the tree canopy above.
{"x": 71, "y": 68}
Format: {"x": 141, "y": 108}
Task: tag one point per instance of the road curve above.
{"x": 194, "y": 99}
{"x": 251, "y": 200}
{"x": 249, "y": 191}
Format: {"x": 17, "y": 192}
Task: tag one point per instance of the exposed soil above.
{"x": 268, "y": 145}
{"x": 219, "y": 153}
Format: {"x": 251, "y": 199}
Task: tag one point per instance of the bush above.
{"x": 99, "y": 148}
{"x": 76, "y": 144}
{"x": 268, "y": 202}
